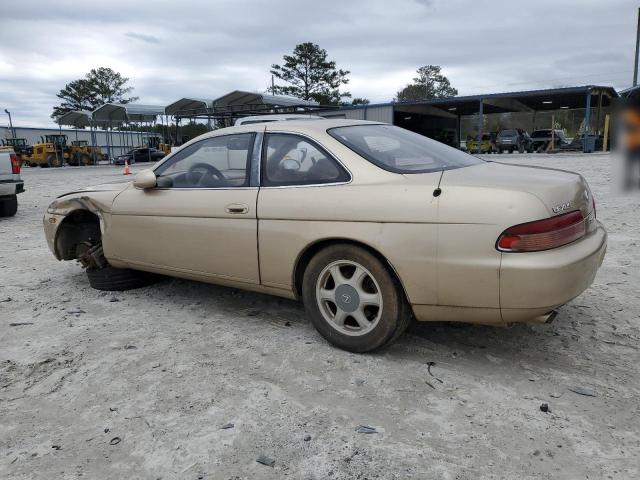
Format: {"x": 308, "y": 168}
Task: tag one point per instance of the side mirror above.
{"x": 145, "y": 179}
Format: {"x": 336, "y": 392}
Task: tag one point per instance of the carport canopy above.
{"x": 240, "y": 100}
{"x": 189, "y": 105}
{"x": 75, "y": 118}
{"x": 116, "y": 113}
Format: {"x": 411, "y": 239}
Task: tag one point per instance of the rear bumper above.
{"x": 532, "y": 284}
{"x": 11, "y": 187}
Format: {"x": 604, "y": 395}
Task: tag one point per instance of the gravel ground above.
{"x": 140, "y": 384}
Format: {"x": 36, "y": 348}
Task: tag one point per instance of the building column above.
{"x": 480, "y": 125}
{"x": 587, "y": 122}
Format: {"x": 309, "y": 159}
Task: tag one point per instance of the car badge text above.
{"x": 561, "y": 208}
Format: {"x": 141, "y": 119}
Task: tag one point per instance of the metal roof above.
{"x": 130, "y": 112}
{"x": 196, "y": 105}
{"x": 240, "y": 99}
{"x": 528, "y": 100}
{"x": 75, "y": 118}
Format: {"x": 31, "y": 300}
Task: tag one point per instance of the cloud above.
{"x": 144, "y": 38}
{"x": 210, "y": 48}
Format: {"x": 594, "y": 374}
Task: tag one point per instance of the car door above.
{"x": 200, "y": 220}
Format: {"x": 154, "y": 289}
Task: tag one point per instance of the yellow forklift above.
{"x": 52, "y": 151}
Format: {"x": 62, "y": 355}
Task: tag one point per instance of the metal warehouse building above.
{"x": 578, "y": 110}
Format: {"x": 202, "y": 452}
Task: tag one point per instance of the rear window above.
{"x": 541, "y": 133}
{"x": 401, "y": 151}
{"x": 509, "y": 133}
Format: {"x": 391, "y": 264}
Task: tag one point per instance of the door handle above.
{"x": 236, "y": 208}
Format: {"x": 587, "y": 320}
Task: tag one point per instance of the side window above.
{"x": 289, "y": 159}
{"x": 212, "y": 163}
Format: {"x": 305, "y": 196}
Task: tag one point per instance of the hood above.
{"x": 560, "y": 191}
{"x": 103, "y": 187}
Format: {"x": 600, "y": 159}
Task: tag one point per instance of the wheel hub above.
{"x": 347, "y": 298}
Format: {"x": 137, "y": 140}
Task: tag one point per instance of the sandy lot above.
{"x": 139, "y": 384}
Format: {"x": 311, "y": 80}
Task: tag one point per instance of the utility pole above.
{"x": 273, "y": 84}
{"x": 635, "y": 66}
{"x": 13, "y": 132}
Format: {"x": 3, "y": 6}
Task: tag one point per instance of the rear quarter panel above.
{"x": 397, "y": 220}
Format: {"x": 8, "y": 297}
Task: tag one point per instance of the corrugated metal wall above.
{"x": 119, "y": 143}
{"x": 382, "y": 113}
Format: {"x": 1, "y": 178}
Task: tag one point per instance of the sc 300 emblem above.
{"x": 561, "y": 208}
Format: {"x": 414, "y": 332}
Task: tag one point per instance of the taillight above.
{"x": 15, "y": 164}
{"x": 543, "y": 234}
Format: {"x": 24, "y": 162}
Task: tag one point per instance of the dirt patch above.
{"x": 164, "y": 368}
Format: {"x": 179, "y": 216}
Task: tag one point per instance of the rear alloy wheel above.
{"x": 353, "y": 300}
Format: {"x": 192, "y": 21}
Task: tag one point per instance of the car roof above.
{"x": 301, "y": 126}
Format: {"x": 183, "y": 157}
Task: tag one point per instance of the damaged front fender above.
{"x": 66, "y": 215}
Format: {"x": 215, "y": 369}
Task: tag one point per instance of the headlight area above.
{"x": 546, "y": 234}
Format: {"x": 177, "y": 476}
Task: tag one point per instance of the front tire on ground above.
{"x": 8, "y": 206}
{"x": 353, "y": 299}
{"x": 117, "y": 279}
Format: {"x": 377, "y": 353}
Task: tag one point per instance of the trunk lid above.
{"x": 560, "y": 191}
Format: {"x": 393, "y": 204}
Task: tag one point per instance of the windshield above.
{"x": 399, "y": 150}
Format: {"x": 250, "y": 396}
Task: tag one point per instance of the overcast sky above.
{"x": 175, "y": 49}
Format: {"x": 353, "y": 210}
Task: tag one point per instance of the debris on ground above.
{"x": 307, "y": 438}
{"x": 115, "y": 441}
{"x": 226, "y": 426}
{"x": 587, "y": 392}
{"x": 429, "y": 365}
{"x": 75, "y": 311}
{"x": 264, "y": 460}
{"x": 19, "y": 324}
{"x": 365, "y": 429}
{"x": 545, "y": 408}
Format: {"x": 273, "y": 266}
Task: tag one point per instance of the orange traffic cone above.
{"x": 126, "y": 168}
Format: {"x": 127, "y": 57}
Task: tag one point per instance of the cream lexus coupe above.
{"x": 367, "y": 223}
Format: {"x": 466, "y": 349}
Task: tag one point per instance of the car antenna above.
{"x": 438, "y": 191}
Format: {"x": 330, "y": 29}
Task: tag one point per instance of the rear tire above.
{"x": 375, "y": 310}
{"x": 117, "y": 279}
{"x": 9, "y": 206}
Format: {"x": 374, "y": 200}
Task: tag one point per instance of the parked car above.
{"x": 514, "y": 139}
{"x": 10, "y": 182}
{"x": 541, "y": 139}
{"x": 140, "y": 155}
{"x": 369, "y": 224}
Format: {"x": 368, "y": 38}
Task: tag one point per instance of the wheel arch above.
{"x": 313, "y": 248}
{"x": 77, "y": 226}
